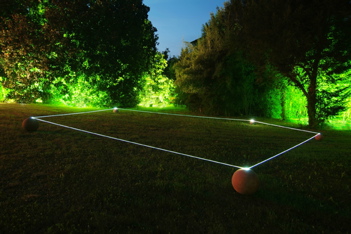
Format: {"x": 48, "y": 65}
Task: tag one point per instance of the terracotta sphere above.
{"x": 318, "y": 137}
{"x": 30, "y": 124}
{"x": 245, "y": 181}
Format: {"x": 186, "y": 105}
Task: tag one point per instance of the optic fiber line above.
{"x": 174, "y": 152}
{"x": 75, "y": 113}
{"x": 279, "y": 126}
{"x": 283, "y": 152}
{"x": 139, "y": 144}
{"x": 219, "y": 118}
{"x": 190, "y": 116}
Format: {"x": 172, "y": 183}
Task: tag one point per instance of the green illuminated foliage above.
{"x": 118, "y": 43}
{"x": 29, "y": 51}
{"x": 213, "y": 79}
{"x": 77, "y": 90}
{"x": 303, "y": 40}
{"x": 20, "y": 60}
{"x": 346, "y": 115}
{"x": 158, "y": 89}
{"x": 54, "y": 50}
{"x": 333, "y": 97}
{"x": 285, "y": 102}
{"x": 270, "y": 58}
{"x": 3, "y": 92}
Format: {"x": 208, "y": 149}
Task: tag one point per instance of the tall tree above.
{"x": 308, "y": 42}
{"x": 117, "y": 39}
{"x": 214, "y": 78}
{"x": 111, "y": 42}
{"x": 25, "y": 49}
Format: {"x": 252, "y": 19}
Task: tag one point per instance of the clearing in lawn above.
{"x": 247, "y": 183}
{"x": 32, "y": 123}
{"x": 59, "y": 180}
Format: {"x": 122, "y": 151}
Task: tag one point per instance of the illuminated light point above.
{"x": 115, "y": 110}
{"x": 30, "y": 124}
{"x": 318, "y": 137}
{"x": 252, "y": 121}
{"x": 245, "y": 181}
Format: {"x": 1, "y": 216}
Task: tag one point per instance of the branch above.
{"x": 298, "y": 84}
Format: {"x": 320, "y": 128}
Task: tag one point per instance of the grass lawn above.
{"x": 58, "y": 180}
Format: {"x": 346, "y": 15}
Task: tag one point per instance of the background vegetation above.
{"x": 255, "y": 55}
{"x": 277, "y": 59}
{"x": 82, "y": 51}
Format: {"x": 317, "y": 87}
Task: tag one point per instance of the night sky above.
{"x": 179, "y": 20}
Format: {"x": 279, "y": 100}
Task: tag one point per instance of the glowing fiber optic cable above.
{"x": 279, "y": 126}
{"x": 218, "y": 118}
{"x": 75, "y": 113}
{"x": 285, "y": 151}
{"x": 139, "y": 144}
{"x": 251, "y": 121}
{"x": 174, "y": 152}
{"x": 190, "y": 116}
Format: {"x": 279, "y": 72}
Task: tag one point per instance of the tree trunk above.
{"x": 313, "y": 121}
{"x": 311, "y": 98}
{"x": 311, "y": 110}
{"x": 282, "y": 104}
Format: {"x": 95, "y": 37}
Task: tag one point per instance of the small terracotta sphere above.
{"x": 30, "y": 124}
{"x": 318, "y": 137}
{"x": 245, "y": 181}
{"x": 115, "y": 110}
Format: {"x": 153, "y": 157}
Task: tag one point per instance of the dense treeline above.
{"x": 78, "y": 51}
{"x": 253, "y": 55}
{"x": 274, "y": 58}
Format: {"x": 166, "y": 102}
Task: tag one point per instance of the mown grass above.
{"x": 58, "y": 180}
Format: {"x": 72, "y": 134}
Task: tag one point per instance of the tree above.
{"x": 26, "y": 43}
{"x": 214, "y": 78}
{"x": 109, "y": 43}
{"x": 118, "y": 42}
{"x": 309, "y": 42}
{"x": 157, "y": 88}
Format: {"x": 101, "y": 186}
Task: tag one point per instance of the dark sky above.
{"x": 179, "y": 20}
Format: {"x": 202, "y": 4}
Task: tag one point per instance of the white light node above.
{"x": 246, "y": 168}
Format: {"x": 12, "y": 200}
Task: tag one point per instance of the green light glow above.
{"x": 158, "y": 90}
{"x": 79, "y": 93}
{"x": 3, "y": 92}
{"x": 156, "y": 94}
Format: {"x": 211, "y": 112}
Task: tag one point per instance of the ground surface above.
{"x": 57, "y": 180}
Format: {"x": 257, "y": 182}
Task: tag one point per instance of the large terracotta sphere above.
{"x": 245, "y": 181}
